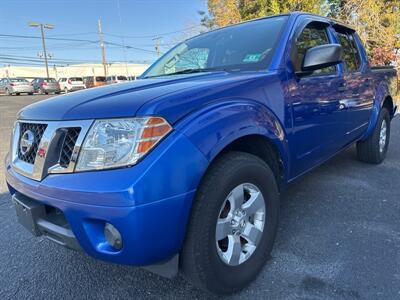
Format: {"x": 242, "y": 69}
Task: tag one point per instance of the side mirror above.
{"x": 320, "y": 57}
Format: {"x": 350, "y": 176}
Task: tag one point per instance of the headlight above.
{"x": 120, "y": 142}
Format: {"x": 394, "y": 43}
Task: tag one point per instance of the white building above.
{"x": 73, "y": 70}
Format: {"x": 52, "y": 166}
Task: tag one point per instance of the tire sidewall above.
{"x": 235, "y": 277}
{"x": 383, "y": 117}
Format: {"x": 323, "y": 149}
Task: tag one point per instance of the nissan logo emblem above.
{"x": 26, "y": 142}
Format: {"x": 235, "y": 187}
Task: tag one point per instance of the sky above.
{"x": 133, "y": 23}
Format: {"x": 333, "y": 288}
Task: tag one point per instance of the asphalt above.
{"x": 339, "y": 238}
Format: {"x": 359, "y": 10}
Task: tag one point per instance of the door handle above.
{"x": 342, "y": 87}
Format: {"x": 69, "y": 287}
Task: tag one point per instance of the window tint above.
{"x": 122, "y": 78}
{"x": 312, "y": 36}
{"x": 351, "y": 56}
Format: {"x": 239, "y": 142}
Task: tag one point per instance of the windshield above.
{"x": 76, "y": 79}
{"x": 247, "y": 46}
{"x": 49, "y": 80}
{"x": 122, "y": 78}
{"x": 100, "y": 78}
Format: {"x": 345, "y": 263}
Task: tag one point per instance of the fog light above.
{"x": 113, "y": 236}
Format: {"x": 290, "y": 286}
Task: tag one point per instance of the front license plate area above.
{"x": 28, "y": 212}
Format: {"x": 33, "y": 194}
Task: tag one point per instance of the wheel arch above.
{"x": 241, "y": 126}
{"x": 388, "y": 103}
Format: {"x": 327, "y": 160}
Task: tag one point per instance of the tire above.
{"x": 201, "y": 261}
{"x": 57, "y": 93}
{"x": 373, "y": 150}
{"x": 17, "y": 94}
{"x": 30, "y": 94}
{"x": 8, "y": 93}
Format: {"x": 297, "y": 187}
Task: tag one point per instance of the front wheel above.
{"x": 233, "y": 224}
{"x": 373, "y": 150}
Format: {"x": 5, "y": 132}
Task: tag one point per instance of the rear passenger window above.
{"x": 351, "y": 56}
{"x": 313, "y": 35}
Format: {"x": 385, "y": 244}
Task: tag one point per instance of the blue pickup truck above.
{"x": 182, "y": 169}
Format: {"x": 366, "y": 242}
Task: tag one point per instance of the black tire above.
{"x": 57, "y": 93}
{"x": 369, "y": 150}
{"x": 30, "y": 94}
{"x": 200, "y": 263}
{"x": 17, "y": 94}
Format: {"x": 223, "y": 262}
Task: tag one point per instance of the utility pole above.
{"x": 42, "y": 27}
{"x": 157, "y": 41}
{"x": 103, "y": 50}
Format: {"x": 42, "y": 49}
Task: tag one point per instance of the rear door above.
{"x": 51, "y": 83}
{"x": 359, "y": 92}
{"x": 318, "y": 120}
{"x": 76, "y": 81}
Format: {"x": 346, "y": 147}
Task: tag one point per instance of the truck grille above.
{"x": 68, "y": 146}
{"x": 54, "y": 142}
{"x": 37, "y": 130}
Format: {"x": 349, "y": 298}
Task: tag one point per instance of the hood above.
{"x": 169, "y": 96}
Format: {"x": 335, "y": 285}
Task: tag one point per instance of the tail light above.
{"x": 12, "y": 84}
{"x": 69, "y": 81}
{"x": 44, "y": 83}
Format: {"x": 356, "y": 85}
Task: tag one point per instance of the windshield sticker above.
{"x": 251, "y": 58}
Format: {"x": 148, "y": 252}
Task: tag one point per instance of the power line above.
{"x": 77, "y": 40}
{"x": 151, "y": 36}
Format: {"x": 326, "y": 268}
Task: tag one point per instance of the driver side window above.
{"x": 312, "y": 36}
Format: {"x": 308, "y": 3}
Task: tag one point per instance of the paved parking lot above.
{"x": 339, "y": 238}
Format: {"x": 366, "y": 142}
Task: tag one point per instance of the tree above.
{"x": 227, "y": 12}
{"x": 376, "y": 21}
{"x": 378, "y": 25}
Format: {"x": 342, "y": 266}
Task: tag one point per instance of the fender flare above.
{"x": 214, "y": 127}
{"x": 381, "y": 93}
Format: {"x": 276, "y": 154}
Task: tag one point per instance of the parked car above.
{"x": 116, "y": 79}
{"x": 15, "y": 86}
{"x": 182, "y": 170}
{"x": 71, "y": 84}
{"x": 46, "y": 86}
{"x": 94, "y": 81}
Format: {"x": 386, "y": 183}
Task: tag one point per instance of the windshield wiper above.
{"x": 189, "y": 71}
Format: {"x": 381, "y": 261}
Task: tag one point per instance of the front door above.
{"x": 318, "y": 117}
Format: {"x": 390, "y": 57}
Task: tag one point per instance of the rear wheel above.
{"x": 233, "y": 224}
{"x": 374, "y": 149}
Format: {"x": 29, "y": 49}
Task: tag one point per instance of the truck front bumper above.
{"x": 149, "y": 204}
